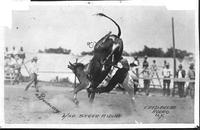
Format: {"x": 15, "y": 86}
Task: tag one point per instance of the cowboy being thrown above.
{"x": 101, "y": 50}
{"x": 118, "y": 78}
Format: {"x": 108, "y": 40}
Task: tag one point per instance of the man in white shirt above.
{"x": 167, "y": 73}
{"x": 21, "y": 54}
{"x": 33, "y": 74}
{"x": 14, "y": 52}
{"x": 146, "y": 76}
{"x": 180, "y": 74}
{"x": 154, "y": 68}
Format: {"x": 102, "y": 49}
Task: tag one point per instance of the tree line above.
{"x": 150, "y": 52}
{"x": 58, "y": 50}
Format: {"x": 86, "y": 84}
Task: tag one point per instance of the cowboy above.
{"x": 135, "y": 69}
{"x": 180, "y": 74}
{"x": 33, "y": 74}
{"x": 108, "y": 45}
{"x": 167, "y": 73}
{"x": 118, "y": 78}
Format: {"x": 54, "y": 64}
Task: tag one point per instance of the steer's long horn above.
{"x": 119, "y": 30}
{"x": 71, "y": 63}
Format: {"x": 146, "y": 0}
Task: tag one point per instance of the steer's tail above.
{"x": 119, "y": 30}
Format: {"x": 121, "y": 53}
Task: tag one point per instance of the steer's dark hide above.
{"x": 107, "y": 52}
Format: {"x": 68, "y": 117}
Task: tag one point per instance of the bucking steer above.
{"x": 80, "y": 70}
{"x": 107, "y": 53}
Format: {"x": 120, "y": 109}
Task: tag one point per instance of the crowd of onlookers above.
{"x": 13, "y": 60}
{"x": 148, "y": 73}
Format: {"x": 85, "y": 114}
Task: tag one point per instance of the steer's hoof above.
{"x": 89, "y": 92}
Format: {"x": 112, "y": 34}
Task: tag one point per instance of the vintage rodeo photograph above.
{"x": 100, "y": 64}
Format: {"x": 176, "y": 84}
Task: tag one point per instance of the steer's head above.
{"x": 76, "y": 67}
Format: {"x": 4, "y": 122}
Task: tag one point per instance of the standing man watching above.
{"x": 154, "y": 68}
{"x": 145, "y": 62}
{"x": 167, "y": 73}
{"x": 33, "y": 74}
{"x": 146, "y": 76}
{"x": 14, "y": 52}
{"x": 135, "y": 69}
{"x": 180, "y": 74}
{"x": 165, "y": 63}
{"x": 21, "y": 54}
{"x": 191, "y": 75}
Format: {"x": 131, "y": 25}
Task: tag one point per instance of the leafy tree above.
{"x": 179, "y": 53}
{"x": 59, "y": 50}
{"x": 125, "y": 53}
{"x": 87, "y": 53}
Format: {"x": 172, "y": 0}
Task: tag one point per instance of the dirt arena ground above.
{"x": 23, "y": 107}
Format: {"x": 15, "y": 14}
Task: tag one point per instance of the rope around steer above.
{"x": 41, "y": 97}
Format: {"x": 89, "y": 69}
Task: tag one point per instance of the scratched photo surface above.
{"x": 49, "y": 77}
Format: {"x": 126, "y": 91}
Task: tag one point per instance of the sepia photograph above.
{"x": 100, "y": 64}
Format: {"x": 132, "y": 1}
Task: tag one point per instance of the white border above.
{"x": 9, "y": 5}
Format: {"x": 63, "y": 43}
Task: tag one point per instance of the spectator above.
{"x": 7, "y": 57}
{"x": 180, "y": 74}
{"x": 191, "y": 76}
{"x": 12, "y": 65}
{"x": 14, "y": 52}
{"x": 154, "y": 67}
{"x": 145, "y": 62}
{"x": 135, "y": 69}
{"x": 165, "y": 63}
{"x": 146, "y": 76}
{"x": 6, "y": 53}
{"x": 17, "y": 73}
{"x": 21, "y": 54}
{"x": 167, "y": 73}
{"x": 33, "y": 74}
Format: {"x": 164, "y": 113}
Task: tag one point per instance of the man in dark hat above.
{"x": 180, "y": 74}
{"x": 33, "y": 74}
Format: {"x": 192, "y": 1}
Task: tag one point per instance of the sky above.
{"x": 71, "y": 27}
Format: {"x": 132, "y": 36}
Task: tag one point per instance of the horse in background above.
{"x": 80, "y": 70}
